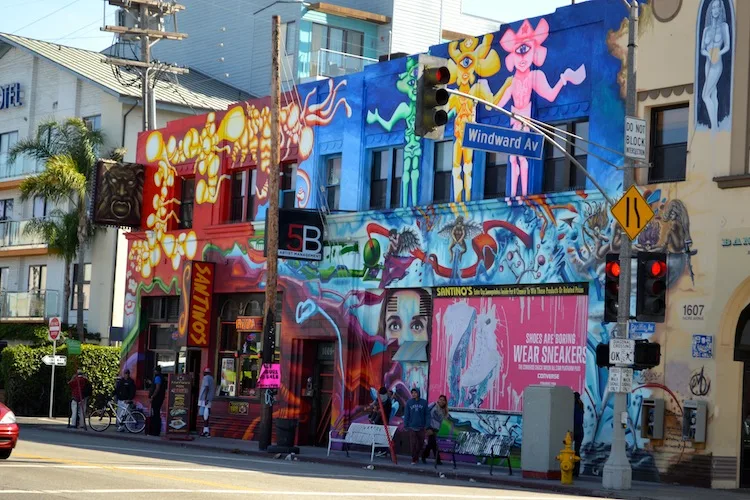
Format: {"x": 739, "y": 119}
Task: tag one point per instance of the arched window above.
{"x": 742, "y": 337}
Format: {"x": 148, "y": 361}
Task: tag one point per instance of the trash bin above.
{"x": 286, "y": 428}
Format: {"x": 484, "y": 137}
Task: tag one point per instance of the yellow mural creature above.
{"x": 468, "y": 59}
{"x": 244, "y": 131}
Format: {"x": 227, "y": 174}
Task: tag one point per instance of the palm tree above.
{"x": 69, "y": 151}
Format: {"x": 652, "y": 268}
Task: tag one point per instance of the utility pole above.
{"x": 618, "y": 473}
{"x": 272, "y": 228}
{"x": 149, "y": 29}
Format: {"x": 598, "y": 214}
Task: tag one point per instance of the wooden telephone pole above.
{"x": 149, "y": 30}
{"x": 272, "y": 230}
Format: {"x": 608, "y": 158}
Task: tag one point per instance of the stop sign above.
{"x": 54, "y": 328}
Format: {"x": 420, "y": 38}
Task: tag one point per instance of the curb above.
{"x": 420, "y": 471}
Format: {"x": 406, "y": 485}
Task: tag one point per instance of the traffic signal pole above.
{"x": 618, "y": 474}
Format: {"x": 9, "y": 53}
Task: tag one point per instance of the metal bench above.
{"x": 372, "y": 435}
{"x": 480, "y": 445}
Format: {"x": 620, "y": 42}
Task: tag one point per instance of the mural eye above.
{"x": 417, "y": 325}
{"x": 411, "y": 82}
{"x": 394, "y": 325}
{"x": 523, "y": 49}
{"x": 465, "y": 62}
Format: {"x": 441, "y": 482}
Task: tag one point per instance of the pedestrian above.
{"x": 438, "y": 413}
{"x": 205, "y": 397}
{"x": 416, "y": 418}
{"x": 124, "y": 394}
{"x": 578, "y": 430}
{"x": 376, "y": 416}
{"x": 156, "y": 396}
{"x": 80, "y": 389}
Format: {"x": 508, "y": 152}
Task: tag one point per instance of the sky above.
{"x": 77, "y": 22}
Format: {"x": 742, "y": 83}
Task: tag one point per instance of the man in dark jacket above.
{"x": 156, "y": 395}
{"x": 376, "y": 417}
{"x": 124, "y": 394}
{"x": 416, "y": 419}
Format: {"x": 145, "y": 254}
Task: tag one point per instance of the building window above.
{"x": 86, "y": 287}
{"x": 560, "y": 174}
{"x": 37, "y": 278}
{"x": 669, "y": 136}
{"x": 242, "y": 207}
{"x": 386, "y": 174}
{"x": 441, "y": 191}
{"x": 288, "y": 35}
{"x": 187, "y": 202}
{"x": 4, "y": 275}
{"x": 333, "y": 183}
{"x": 7, "y": 141}
{"x": 288, "y": 185}
{"x": 6, "y": 209}
{"x": 93, "y": 122}
{"x": 495, "y": 175}
{"x": 335, "y": 51}
{"x": 39, "y": 210}
{"x": 240, "y": 352}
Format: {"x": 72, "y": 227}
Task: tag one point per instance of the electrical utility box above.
{"x": 694, "y": 418}
{"x": 547, "y": 418}
{"x": 652, "y": 419}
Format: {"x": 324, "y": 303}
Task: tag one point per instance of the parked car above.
{"x": 8, "y": 432}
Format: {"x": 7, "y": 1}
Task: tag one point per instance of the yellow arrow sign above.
{"x": 632, "y": 212}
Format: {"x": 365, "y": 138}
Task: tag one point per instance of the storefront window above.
{"x": 240, "y": 352}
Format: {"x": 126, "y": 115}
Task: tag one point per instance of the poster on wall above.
{"x": 491, "y": 342}
{"x": 179, "y": 407}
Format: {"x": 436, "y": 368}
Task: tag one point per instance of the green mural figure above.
{"x": 407, "y": 111}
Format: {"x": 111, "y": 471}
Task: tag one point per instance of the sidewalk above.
{"x": 585, "y": 486}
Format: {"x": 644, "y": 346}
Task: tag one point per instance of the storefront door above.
{"x": 322, "y": 394}
{"x": 745, "y": 459}
{"x": 193, "y": 365}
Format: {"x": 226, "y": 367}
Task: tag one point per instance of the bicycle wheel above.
{"x": 135, "y": 422}
{"x": 100, "y": 420}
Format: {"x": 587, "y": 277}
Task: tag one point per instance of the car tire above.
{"x": 5, "y": 454}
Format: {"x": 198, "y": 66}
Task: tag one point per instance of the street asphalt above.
{"x": 56, "y": 465}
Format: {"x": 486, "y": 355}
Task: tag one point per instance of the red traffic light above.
{"x": 613, "y": 269}
{"x": 657, "y": 268}
{"x": 442, "y": 75}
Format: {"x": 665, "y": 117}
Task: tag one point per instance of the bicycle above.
{"x": 134, "y": 420}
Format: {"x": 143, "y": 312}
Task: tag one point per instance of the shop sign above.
{"x": 10, "y": 96}
{"x": 249, "y": 323}
{"x": 703, "y": 346}
{"x": 736, "y": 242}
{"x": 201, "y": 302}
{"x": 238, "y": 407}
{"x": 270, "y": 376}
{"x": 179, "y": 407}
{"x": 300, "y": 234}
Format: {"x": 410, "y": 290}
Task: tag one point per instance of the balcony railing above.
{"x": 331, "y": 63}
{"x": 21, "y": 167}
{"x": 13, "y": 234}
{"x": 29, "y": 305}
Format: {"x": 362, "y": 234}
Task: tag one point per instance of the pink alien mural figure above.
{"x": 525, "y": 48}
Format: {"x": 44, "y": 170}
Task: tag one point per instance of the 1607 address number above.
{"x": 692, "y": 310}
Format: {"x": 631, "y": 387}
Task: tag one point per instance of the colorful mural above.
{"x": 714, "y": 65}
{"x": 375, "y": 290}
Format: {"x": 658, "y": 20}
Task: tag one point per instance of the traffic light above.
{"x": 651, "y": 297}
{"x": 647, "y": 355}
{"x": 611, "y": 287}
{"x": 433, "y": 75}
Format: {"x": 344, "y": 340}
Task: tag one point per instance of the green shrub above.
{"x": 27, "y": 379}
{"x": 37, "y": 334}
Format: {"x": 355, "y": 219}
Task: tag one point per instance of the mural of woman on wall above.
{"x": 714, "y": 64}
{"x": 525, "y": 49}
{"x": 405, "y": 317}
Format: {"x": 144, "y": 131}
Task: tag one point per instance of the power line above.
{"x": 45, "y": 16}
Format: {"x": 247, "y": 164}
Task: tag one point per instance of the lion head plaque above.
{"x": 118, "y": 198}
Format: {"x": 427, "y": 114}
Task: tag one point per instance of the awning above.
{"x": 412, "y": 351}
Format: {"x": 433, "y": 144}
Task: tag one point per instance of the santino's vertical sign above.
{"x": 198, "y": 294}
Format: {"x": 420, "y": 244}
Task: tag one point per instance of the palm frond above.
{"x": 60, "y": 230}
{"x": 58, "y": 181}
{"x": 32, "y": 148}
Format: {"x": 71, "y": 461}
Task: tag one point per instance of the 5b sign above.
{"x": 300, "y": 235}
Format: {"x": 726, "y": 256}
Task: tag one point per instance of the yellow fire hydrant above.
{"x": 567, "y": 459}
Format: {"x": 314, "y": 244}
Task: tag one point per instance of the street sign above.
{"x": 620, "y": 380}
{"x": 635, "y": 138}
{"x": 55, "y": 360}
{"x": 74, "y": 347}
{"x": 632, "y": 212}
{"x": 639, "y": 329}
{"x": 54, "y": 328}
{"x": 503, "y": 140}
{"x": 621, "y": 351}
